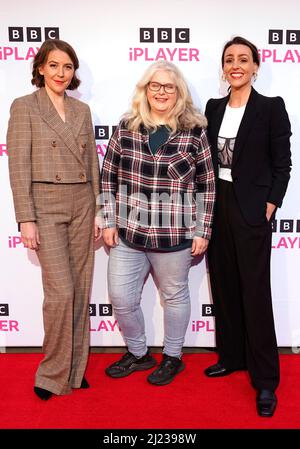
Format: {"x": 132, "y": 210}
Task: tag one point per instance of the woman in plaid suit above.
{"x": 54, "y": 175}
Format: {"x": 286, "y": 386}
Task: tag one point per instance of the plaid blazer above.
{"x": 158, "y": 201}
{"x": 43, "y": 148}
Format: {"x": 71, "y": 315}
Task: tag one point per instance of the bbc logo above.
{"x": 33, "y": 34}
{"x": 102, "y": 132}
{"x": 104, "y": 310}
{"x": 4, "y": 310}
{"x": 292, "y": 37}
{"x": 208, "y": 310}
{"x": 286, "y": 225}
{"x": 182, "y": 35}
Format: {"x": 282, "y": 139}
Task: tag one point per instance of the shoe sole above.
{"x": 142, "y": 367}
{"x": 166, "y": 382}
{"x": 227, "y": 373}
{"x": 265, "y": 415}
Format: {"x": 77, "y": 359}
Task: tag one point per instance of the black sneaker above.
{"x": 167, "y": 370}
{"x": 129, "y": 363}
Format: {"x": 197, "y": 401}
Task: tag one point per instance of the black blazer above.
{"x": 261, "y": 162}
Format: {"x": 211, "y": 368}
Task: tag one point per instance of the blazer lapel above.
{"x": 74, "y": 116}
{"x": 216, "y": 122}
{"x": 63, "y": 129}
{"x": 245, "y": 126}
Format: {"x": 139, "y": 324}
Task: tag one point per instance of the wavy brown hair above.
{"x": 42, "y": 56}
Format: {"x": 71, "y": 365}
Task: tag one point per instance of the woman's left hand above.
{"x": 199, "y": 246}
{"x": 97, "y": 231}
{"x": 270, "y": 210}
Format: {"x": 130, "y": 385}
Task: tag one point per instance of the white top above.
{"x": 226, "y": 139}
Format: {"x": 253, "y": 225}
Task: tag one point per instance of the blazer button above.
{"x": 83, "y": 145}
{"x": 53, "y": 143}
{"x": 58, "y": 178}
{"x": 82, "y": 176}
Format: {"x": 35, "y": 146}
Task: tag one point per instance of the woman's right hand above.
{"x": 30, "y": 235}
{"x": 110, "y": 237}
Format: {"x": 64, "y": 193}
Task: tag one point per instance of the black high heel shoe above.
{"x": 42, "y": 393}
{"x": 84, "y": 383}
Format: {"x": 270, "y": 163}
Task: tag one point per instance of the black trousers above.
{"x": 239, "y": 266}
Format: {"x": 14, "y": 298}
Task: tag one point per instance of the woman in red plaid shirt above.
{"x": 157, "y": 199}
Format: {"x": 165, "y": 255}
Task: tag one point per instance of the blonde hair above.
{"x": 184, "y": 115}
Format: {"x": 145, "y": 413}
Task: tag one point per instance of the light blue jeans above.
{"x": 127, "y": 269}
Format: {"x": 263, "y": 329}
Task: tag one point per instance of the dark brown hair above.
{"x": 42, "y": 56}
{"x": 238, "y": 40}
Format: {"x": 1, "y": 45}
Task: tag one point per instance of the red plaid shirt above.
{"x": 158, "y": 201}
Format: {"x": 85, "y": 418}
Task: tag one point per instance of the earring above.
{"x": 223, "y": 77}
{"x": 254, "y": 76}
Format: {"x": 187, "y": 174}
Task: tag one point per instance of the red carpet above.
{"x": 191, "y": 401}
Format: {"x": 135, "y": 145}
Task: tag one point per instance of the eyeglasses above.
{"x": 168, "y": 88}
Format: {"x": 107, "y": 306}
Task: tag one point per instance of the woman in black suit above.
{"x": 249, "y": 134}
